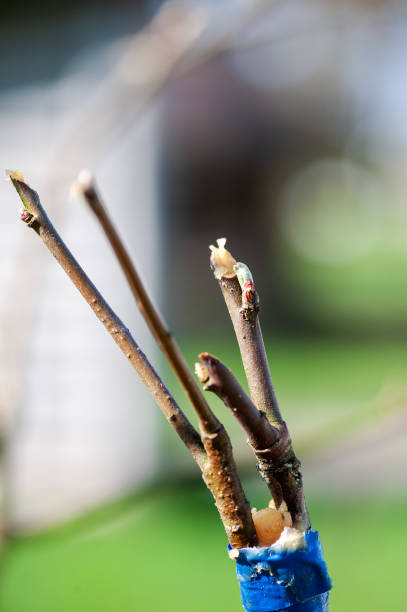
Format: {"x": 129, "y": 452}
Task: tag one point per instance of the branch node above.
{"x": 250, "y": 297}
{"x": 26, "y": 216}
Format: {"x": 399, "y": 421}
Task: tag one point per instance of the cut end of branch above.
{"x": 28, "y": 196}
{"x": 201, "y": 372}
{"x": 206, "y": 370}
{"x": 222, "y": 262}
{"x": 83, "y": 183}
{"x": 269, "y": 524}
{"x": 14, "y": 174}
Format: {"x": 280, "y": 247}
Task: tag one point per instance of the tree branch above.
{"x": 212, "y": 451}
{"x": 86, "y": 186}
{"x": 242, "y": 301}
{"x": 243, "y": 307}
{"x": 35, "y": 217}
{"x": 220, "y": 380}
{"x": 221, "y": 477}
{"x": 219, "y": 472}
{"x": 267, "y": 442}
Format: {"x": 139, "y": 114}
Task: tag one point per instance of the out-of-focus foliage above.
{"x": 344, "y": 252}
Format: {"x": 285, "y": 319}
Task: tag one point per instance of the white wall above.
{"x": 82, "y": 428}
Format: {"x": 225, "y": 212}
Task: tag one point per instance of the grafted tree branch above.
{"x": 243, "y": 307}
{"x": 242, "y": 301}
{"x": 220, "y": 475}
{"x": 267, "y": 442}
{"x": 220, "y": 380}
{"x": 212, "y": 450}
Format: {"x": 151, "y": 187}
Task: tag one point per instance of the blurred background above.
{"x": 283, "y": 126}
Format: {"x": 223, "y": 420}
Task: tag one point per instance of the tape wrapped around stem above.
{"x": 274, "y": 578}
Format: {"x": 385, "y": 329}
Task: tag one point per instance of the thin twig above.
{"x": 267, "y": 442}
{"x": 220, "y": 379}
{"x": 214, "y": 437}
{"x": 86, "y": 186}
{"x": 35, "y": 216}
{"x": 212, "y": 451}
{"x": 242, "y": 301}
{"x": 247, "y": 329}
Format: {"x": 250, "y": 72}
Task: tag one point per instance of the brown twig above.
{"x": 220, "y": 380}
{"x": 86, "y": 186}
{"x": 212, "y": 450}
{"x": 242, "y": 301}
{"x": 34, "y": 215}
{"x": 214, "y": 437}
{"x": 267, "y": 442}
{"x": 221, "y": 477}
{"x": 248, "y": 333}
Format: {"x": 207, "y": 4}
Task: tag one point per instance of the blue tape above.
{"x": 273, "y": 579}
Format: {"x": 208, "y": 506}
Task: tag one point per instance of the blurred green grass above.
{"x": 166, "y": 550}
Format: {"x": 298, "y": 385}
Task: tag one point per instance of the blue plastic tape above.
{"x": 274, "y": 579}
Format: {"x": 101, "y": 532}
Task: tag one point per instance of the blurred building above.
{"x": 82, "y": 428}
{"x": 291, "y": 145}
